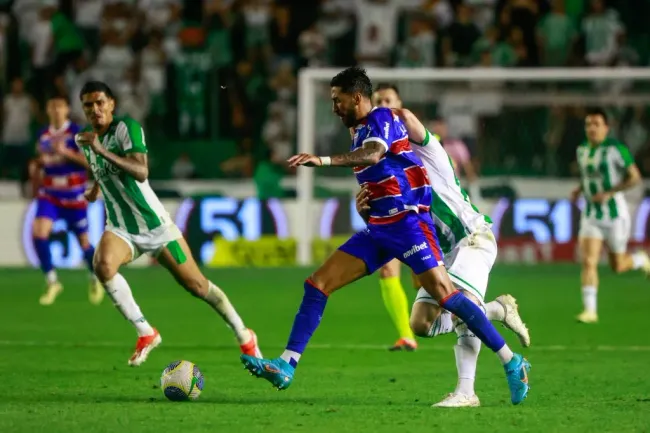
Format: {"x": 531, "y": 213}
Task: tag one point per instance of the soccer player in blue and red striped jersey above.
{"x": 399, "y": 225}
{"x": 61, "y": 180}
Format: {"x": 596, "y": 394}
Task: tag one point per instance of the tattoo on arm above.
{"x": 369, "y": 154}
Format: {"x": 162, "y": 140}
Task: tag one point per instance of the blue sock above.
{"x": 475, "y": 319}
{"x": 88, "y": 257}
{"x": 306, "y": 321}
{"x": 44, "y": 254}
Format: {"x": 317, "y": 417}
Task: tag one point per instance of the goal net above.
{"x": 517, "y": 124}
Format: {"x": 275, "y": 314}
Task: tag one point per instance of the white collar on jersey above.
{"x": 63, "y": 127}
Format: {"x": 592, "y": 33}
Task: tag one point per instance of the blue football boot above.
{"x": 277, "y": 371}
{"x": 517, "y": 374}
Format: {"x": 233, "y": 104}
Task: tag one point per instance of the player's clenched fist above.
{"x": 89, "y": 139}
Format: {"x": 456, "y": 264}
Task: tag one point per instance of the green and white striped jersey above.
{"x": 130, "y": 205}
{"x": 601, "y": 168}
{"x": 453, "y": 213}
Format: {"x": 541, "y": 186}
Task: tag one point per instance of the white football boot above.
{"x": 512, "y": 320}
{"x": 459, "y": 400}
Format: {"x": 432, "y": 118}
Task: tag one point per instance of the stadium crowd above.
{"x": 218, "y": 70}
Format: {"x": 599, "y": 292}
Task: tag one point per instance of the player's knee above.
{"x": 471, "y": 297}
{"x": 104, "y": 267}
{"x": 617, "y": 265}
{"x": 589, "y": 263}
{"x": 389, "y": 271}
{"x": 420, "y": 325}
{"x": 322, "y": 282}
{"x": 40, "y": 231}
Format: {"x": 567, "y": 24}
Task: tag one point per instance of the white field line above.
{"x": 422, "y": 347}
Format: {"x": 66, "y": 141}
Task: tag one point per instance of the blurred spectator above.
{"x": 336, "y": 26}
{"x": 313, "y": 46}
{"x": 41, "y": 44}
{"x": 159, "y": 14}
{"x": 284, "y": 82}
{"x": 133, "y": 95}
{"x": 153, "y": 62}
{"x": 440, "y": 10}
{"x": 483, "y": 12}
{"x": 18, "y": 111}
{"x": 556, "y": 36}
{"x": 523, "y": 14}
{"x": 68, "y": 41}
{"x": 276, "y": 132}
{"x": 183, "y": 167}
{"x": 602, "y": 30}
{"x": 284, "y": 38}
{"x": 460, "y": 38}
{"x": 376, "y": 31}
{"x": 504, "y": 53}
{"x": 419, "y": 49}
{"x": 521, "y": 49}
{"x": 27, "y": 13}
{"x": 88, "y": 17}
{"x": 485, "y": 44}
{"x": 191, "y": 75}
{"x": 115, "y": 57}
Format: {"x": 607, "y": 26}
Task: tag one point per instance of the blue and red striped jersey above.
{"x": 63, "y": 182}
{"x": 398, "y": 183}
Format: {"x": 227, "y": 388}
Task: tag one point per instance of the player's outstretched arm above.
{"x": 415, "y": 129}
{"x": 369, "y": 154}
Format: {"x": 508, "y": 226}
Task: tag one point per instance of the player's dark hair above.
{"x": 353, "y": 80}
{"x": 60, "y": 96}
{"x": 96, "y": 86}
{"x": 597, "y": 111}
{"x": 387, "y": 86}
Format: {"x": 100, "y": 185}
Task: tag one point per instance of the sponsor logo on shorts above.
{"x": 416, "y": 248}
{"x": 426, "y": 257}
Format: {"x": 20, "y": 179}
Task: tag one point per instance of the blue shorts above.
{"x": 76, "y": 219}
{"x": 412, "y": 240}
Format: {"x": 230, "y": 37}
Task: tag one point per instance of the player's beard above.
{"x": 350, "y": 118}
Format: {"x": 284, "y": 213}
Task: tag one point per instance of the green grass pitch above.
{"x": 63, "y": 368}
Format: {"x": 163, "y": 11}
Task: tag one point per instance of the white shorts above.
{"x": 151, "y": 242}
{"x": 469, "y": 264}
{"x": 614, "y": 233}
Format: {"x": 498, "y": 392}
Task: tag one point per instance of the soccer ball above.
{"x": 182, "y": 380}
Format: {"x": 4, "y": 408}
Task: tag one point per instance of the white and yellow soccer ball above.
{"x": 182, "y": 380}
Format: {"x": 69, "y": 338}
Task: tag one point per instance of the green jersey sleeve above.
{"x": 130, "y": 136}
{"x": 427, "y": 138}
{"x": 626, "y": 156}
